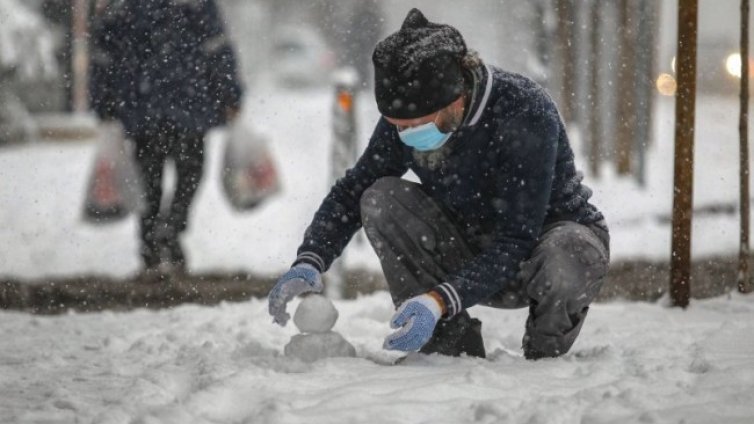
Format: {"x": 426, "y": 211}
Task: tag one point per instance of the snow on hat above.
{"x": 417, "y": 70}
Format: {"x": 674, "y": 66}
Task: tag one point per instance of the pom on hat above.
{"x": 417, "y": 69}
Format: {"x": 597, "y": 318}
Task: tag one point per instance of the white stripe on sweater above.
{"x": 313, "y": 257}
{"x": 485, "y": 98}
{"x": 456, "y": 297}
{"x": 452, "y": 308}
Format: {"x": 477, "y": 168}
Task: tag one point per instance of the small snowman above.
{"x": 315, "y": 318}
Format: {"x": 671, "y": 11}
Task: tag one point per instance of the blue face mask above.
{"x": 424, "y": 137}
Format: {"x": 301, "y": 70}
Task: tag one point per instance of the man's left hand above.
{"x": 416, "y": 319}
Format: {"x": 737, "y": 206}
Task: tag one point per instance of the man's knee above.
{"x": 563, "y": 276}
{"x": 379, "y": 198}
{"x": 569, "y": 264}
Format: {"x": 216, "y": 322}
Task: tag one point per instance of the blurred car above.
{"x": 301, "y": 57}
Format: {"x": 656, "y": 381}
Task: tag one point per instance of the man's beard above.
{"x": 433, "y": 159}
{"x": 452, "y": 122}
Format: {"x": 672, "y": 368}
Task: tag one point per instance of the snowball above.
{"x": 315, "y": 314}
{"x": 313, "y": 347}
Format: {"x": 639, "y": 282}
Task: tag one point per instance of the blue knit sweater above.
{"x": 507, "y": 172}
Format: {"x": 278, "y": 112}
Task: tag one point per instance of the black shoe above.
{"x": 167, "y": 235}
{"x": 539, "y": 346}
{"x": 176, "y": 258}
{"x": 458, "y": 335}
{"x": 150, "y": 255}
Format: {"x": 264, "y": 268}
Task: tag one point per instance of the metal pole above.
{"x": 683, "y": 183}
{"x": 80, "y": 56}
{"x": 744, "y": 282}
{"x": 343, "y": 154}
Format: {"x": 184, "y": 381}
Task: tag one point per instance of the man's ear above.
{"x": 452, "y": 116}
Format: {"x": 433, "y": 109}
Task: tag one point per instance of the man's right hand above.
{"x": 231, "y": 113}
{"x": 300, "y": 279}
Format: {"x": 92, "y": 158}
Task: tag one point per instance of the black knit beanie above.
{"x": 417, "y": 70}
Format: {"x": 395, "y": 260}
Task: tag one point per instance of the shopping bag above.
{"x": 249, "y": 173}
{"x": 114, "y": 189}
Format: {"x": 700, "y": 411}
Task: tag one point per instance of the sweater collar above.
{"x": 480, "y": 94}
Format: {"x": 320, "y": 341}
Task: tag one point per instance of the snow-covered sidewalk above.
{"x": 634, "y": 362}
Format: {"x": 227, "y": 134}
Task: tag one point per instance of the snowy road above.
{"x": 634, "y": 363}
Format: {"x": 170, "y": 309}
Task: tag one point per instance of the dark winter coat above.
{"x": 505, "y": 174}
{"x": 163, "y": 60}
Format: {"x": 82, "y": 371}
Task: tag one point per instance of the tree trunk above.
{"x": 542, "y": 41}
{"x": 626, "y": 96}
{"x": 645, "y": 88}
{"x": 683, "y": 183}
{"x": 595, "y": 97}
{"x": 567, "y": 52}
{"x": 744, "y": 283}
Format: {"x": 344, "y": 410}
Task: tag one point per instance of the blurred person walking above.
{"x": 500, "y": 217}
{"x": 167, "y": 71}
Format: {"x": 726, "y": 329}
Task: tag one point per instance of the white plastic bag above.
{"x": 249, "y": 172}
{"x": 114, "y": 189}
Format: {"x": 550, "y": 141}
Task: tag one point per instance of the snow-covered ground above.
{"x": 634, "y": 362}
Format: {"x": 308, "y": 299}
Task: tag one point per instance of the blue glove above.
{"x": 300, "y": 279}
{"x": 416, "y": 319}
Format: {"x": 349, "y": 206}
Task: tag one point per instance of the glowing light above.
{"x": 666, "y": 84}
{"x": 733, "y": 64}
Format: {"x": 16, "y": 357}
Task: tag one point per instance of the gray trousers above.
{"x": 418, "y": 247}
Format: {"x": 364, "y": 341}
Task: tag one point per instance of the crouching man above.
{"x": 499, "y": 219}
